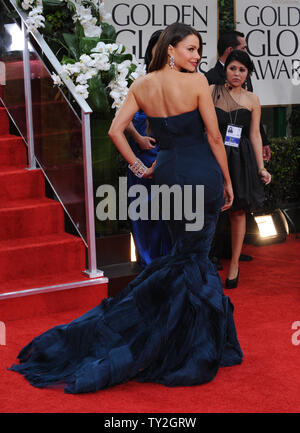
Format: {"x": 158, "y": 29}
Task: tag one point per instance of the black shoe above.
{"x": 245, "y": 258}
{"x": 232, "y": 284}
{"x": 216, "y": 262}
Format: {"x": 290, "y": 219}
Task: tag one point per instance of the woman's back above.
{"x": 167, "y": 93}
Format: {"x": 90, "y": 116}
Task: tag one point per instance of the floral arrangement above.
{"x": 106, "y": 73}
{"x": 86, "y": 46}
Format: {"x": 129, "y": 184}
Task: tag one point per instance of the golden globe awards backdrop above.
{"x": 272, "y": 32}
{"x": 135, "y": 21}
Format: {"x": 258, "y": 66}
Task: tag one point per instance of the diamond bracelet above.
{"x": 138, "y": 168}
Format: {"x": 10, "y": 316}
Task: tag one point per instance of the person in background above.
{"x": 228, "y": 41}
{"x": 151, "y": 238}
{"x": 238, "y": 112}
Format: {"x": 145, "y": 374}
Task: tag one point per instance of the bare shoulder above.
{"x": 211, "y": 87}
{"x": 253, "y": 99}
{"x": 138, "y": 83}
{"x": 196, "y": 82}
{"x": 200, "y": 78}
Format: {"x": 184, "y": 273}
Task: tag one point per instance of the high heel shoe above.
{"x": 232, "y": 284}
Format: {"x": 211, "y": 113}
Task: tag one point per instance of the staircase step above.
{"x": 13, "y": 151}
{"x": 29, "y": 218}
{"x": 4, "y": 122}
{"x": 21, "y": 184}
{"x": 34, "y": 297}
{"x": 61, "y": 119}
{"x": 42, "y": 255}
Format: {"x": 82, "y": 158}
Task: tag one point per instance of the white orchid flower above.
{"x": 92, "y": 31}
{"x": 26, "y": 5}
{"x": 101, "y": 61}
{"x": 83, "y": 78}
{"x": 105, "y": 15}
{"x": 124, "y": 65}
{"x": 56, "y": 79}
{"x": 111, "y": 48}
{"x": 82, "y": 90}
{"x": 120, "y": 48}
{"x": 71, "y": 69}
{"x": 99, "y": 48}
{"x": 87, "y": 61}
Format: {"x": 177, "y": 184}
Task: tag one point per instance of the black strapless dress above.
{"x": 171, "y": 325}
{"x": 247, "y": 185}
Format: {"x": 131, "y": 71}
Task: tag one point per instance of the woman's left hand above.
{"x": 149, "y": 172}
{"x": 265, "y": 176}
{"x": 146, "y": 143}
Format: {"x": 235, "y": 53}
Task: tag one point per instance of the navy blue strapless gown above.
{"x": 151, "y": 237}
{"x": 171, "y": 325}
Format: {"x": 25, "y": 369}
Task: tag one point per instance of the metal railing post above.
{"x": 89, "y": 197}
{"x": 28, "y": 100}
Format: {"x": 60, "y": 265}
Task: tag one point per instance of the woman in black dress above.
{"x": 238, "y": 112}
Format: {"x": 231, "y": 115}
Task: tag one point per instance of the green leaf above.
{"x": 131, "y": 69}
{"x": 52, "y": 6}
{"x": 119, "y": 58}
{"x": 91, "y": 5}
{"x": 48, "y": 29}
{"x": 108, "y": 76}
{"x": 72, "y": 43}
{"x": 108, "y": 34}
{"x": 87, "y": 44}
{"x": 52, "y": 3}
{"x": 65, "y": 60}
{"x": 97, "y": 95}
{"x": 71, "y": 6}
{"x": 284, "y": 166}
{"x": 79, "y": 31}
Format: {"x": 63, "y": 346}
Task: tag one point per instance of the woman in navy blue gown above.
{"x": 173, "y": 324}
{"x": 151, "y": 237}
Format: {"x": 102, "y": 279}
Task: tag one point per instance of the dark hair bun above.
{"x": 242, "y": 57}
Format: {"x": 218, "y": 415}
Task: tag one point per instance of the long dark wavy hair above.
{"x": 171, "y": 35}
{"x": 151, "y": 44}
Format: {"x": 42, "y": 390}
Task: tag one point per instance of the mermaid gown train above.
{"x": 172, "y": 324}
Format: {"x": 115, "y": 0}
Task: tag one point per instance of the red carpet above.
{"x": 36, "y": 252}
{"x": 267, "y": 303}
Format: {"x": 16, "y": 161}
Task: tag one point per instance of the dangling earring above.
{"x": 227, "y": 86}
{"x": 245, "y": 85}
{"x": 172, "y": 62}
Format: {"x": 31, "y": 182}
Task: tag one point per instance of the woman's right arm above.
{"x": 120, "y": 123}
{"x": 208, "y": 114}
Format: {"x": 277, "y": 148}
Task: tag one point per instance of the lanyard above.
{"x": 236, "y": 111}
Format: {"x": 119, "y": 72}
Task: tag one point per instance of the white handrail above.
{"x": 28, "y": 101}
